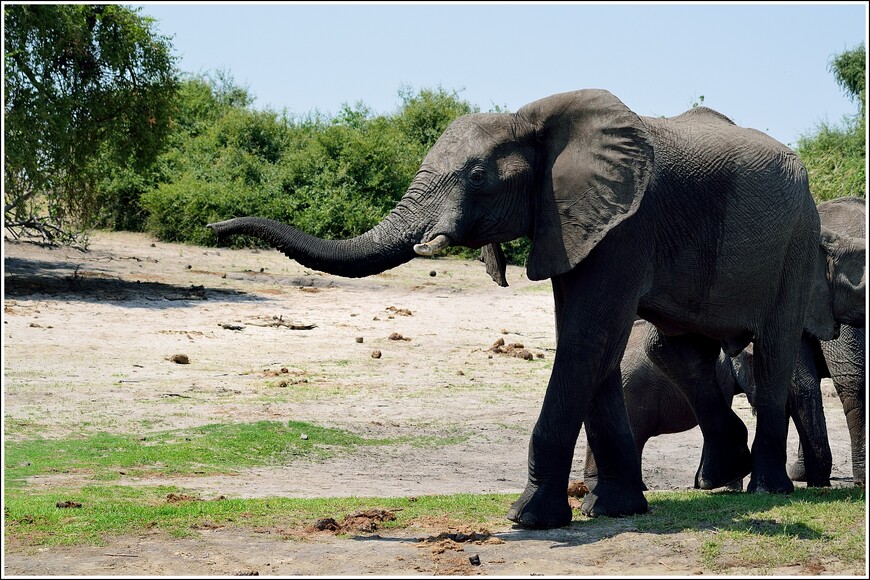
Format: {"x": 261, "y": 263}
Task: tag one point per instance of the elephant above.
{"x": 841, "y": 359}
{"x": 627, "y": 216}
{"x": 656, "y": 406}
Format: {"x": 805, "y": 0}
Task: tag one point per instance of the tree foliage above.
{"x": 331, "y": 176}
{"x": 835, "y": 155}
{"x": 89, "y": 97}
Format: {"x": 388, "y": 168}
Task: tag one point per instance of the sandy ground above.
{"x": 89, "y": 343}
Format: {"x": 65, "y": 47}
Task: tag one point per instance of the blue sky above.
{"x": 763, "y": 65}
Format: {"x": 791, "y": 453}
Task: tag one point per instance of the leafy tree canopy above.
{"x": 90, "y": 90}
{"x": 836, "y": 156}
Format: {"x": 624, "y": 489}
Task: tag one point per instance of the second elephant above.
{"x": 655, "y": 404}
{"x": 841, "y": 359}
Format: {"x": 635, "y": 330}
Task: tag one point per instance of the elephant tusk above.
{"x": 432, "y": 247}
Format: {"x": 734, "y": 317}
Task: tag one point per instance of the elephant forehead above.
{"x": 473, "y": 136}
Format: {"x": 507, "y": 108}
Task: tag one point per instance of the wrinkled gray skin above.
{"x": 656, "y": 406}
{"x": 627, "y": 216}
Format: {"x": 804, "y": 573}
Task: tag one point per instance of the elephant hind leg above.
{"x": 690, "y": 362}
{"x": 774, "y": 366}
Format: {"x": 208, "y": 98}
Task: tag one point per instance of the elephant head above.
{"x": 563, "y": 170}
{"x": 839, "y": 291}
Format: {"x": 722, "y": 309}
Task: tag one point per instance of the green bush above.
{"x": 331, "y": 177}
{"x": 836, "y": 157}
{"x": 89, "y": 95}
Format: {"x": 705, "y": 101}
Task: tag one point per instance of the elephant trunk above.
{"x": 387, "y": 245}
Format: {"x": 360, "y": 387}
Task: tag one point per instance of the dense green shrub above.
{"x": 89, "y": 92}
{"x": 332, "y": 177}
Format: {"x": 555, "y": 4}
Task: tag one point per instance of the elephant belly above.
{"x": 673, "y": 319}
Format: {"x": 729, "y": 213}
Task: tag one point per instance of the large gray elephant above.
{"x": 627, "y": 216}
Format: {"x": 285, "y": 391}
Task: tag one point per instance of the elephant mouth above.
{"x": 433, "y": 246}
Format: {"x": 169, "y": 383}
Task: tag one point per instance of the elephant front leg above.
{"x": 618, "y": 490}
{"x": 584, "y": 362}
{"x": 619, "y": 487}
{"x": 544, "y": 502}
{"x": 814, "y": 462}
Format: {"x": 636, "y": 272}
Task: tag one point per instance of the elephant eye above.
{"x": 477, "y": 176}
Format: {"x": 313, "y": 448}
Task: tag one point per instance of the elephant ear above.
{"x": 597, "y": 160}
{"x": 838, "y": 293}
{"x": 496, "y": 264}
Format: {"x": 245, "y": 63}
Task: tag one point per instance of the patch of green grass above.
{"x": 537, "y": 288}
{"x": 754, "y": 531}
{"x": 19, "y": 426}
{"x": 35, "y": 519}
{"x": 709, "y": 552}
{"x": 765, "y": 531}
{"x": 207, "y": 449}
{"x": 284, "y": 390}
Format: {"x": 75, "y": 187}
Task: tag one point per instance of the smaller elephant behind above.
{"x": 842, "y": 361}
{"x": 655, "y": 405}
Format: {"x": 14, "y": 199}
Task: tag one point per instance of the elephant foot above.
{"x": 615, "y": 499}
{"x": 858, "y": 472}
{"x": 797, "y": 471}
{"x": 814, "y": 475}
{"x": 823, "y": 482}
{"x": 541, "y": 507}
{"x": 723, "y": 466}
{"x": 736, "y": 485}
{"x": 770, "y": 481}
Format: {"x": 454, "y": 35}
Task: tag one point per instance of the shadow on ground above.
{"x": 28, "y": 279}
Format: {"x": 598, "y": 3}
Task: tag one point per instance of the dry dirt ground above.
{"x": 90, "y": 344}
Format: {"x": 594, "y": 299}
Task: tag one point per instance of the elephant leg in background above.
{"x": 690, "y": 363}
{"x": 845, "y": 357}
{"x": 594, "y": 316}
{"x": 590, "y": 465}
{"x": 813, "y": 464}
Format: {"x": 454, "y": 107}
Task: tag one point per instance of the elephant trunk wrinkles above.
{"x": 387, "y": 245}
